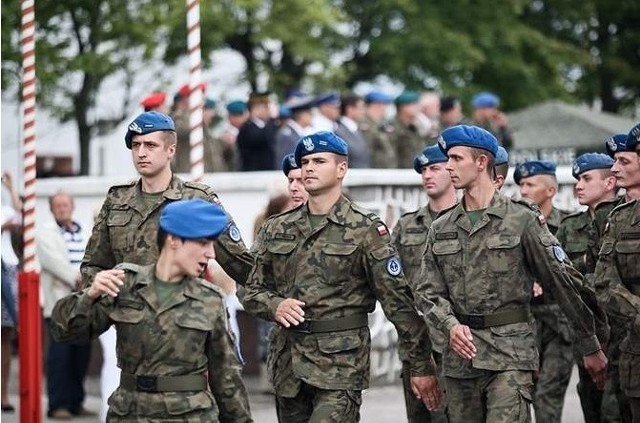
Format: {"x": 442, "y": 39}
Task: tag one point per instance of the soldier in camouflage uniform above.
{"x": 128, "y": 221}
{"x": 379, "y": 133}
{"x": 173, "y": 342}
{"x": 406, "y": 139}
{"x": 319, "y": 272}
{"x": 476, "y": 285}
{"x": 626, "y": 170}
{"x": 501, "y": 168}
{"x": 580, "y": 234}
{"x": 618, "y": 268}
{"x": 538, "y": 184}
{"x": 410, "y": 237}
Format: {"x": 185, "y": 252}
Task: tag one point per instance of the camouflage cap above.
{"x": 590, "y": 161}
{"x": 193, "y": 219}
{"x": 147, "y": 123}
{"x": 533, "y": 168}
{"x": 320, "y": 142}
{"x": 430, "y": 155}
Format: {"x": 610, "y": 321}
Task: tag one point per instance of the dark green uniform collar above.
{"x": 337, "y": 214}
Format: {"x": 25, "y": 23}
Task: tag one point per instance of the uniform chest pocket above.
{"x": 448, "y": 253}
{"x": 120, "y": 231}
{"x": 127, "y": 312}
{"x": 627, "y": 253}
{"x": 193, "y": 330}
{"x": 280, "y": 255}
{"x": 337, "y": 261}
{"x": 412, "y": 248}
{"x": 503, "y": 253}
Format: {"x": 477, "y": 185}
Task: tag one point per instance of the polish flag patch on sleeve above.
{"x": 382, "y": 230}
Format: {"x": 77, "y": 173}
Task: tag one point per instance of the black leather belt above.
{"x": 163, "y": 383}
{"x": 482, "y": 321}
{"x": 331, "y": 325}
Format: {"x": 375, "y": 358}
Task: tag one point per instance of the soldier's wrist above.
{"x": 587, "y": 346}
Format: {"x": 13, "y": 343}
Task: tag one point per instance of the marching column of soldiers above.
{"x": 492, "y": 310}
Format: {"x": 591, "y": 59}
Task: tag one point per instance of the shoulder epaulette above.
{"x": 129, "y": 267}
{"x": 213, "y": 287}
{"x": 199, "y": 186}
{"x": 527, "y": 203}
{"x": 124, "y": 185}
{"x": 623, "y": 206}
{"x": 572, "y": 215}
{"x": 363, "y": 211}
{"x": 409, "y": 213}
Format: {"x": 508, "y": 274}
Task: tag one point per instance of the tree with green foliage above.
{"x": 78, "y": 45}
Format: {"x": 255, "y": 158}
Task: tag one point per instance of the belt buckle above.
{"x": 147, "y": 383}
{"x": 302, "y": 327}
{"x": 475, "y": 321}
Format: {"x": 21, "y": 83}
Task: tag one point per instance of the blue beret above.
{"x": 301, "y": 103}
{"x": 633, "y": 138}
{"x": 236, "y": 107}
{"x": 616, "y": 143}
{"x": 320, "y": 142}
{"x": 407, "y": 97}
{"x": 485, "y": 99}
{"x": 533, "y": 168}
{"x": 502, "y": 157}
{"x": 193, "y": 219}
{"x": 378, "y": 97}
{"x": 430, "y": 155}
{"x": 590, "y": 161}
{"x": 328, "y": 98}
{"x": 289, "y": 163}
{"x": 209, "y": 103}
{"x": 468, "y": 136}
{"x": 147, "y": 123}
{"x": 284, "y": 112}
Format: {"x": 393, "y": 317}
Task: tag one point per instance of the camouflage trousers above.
{"x": 556, "y": 363}
{"x": 416, "y": 410}
{"x": 496, "y": 397}
{"x": 315, "y": 405}
{"x": 630, "y": 381}
{"x": 614, "y": 373}
{"x": 197, "y": 416}
{"x": 597, "y": 406}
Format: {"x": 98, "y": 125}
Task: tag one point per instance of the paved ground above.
{"x": 380, "y": 403}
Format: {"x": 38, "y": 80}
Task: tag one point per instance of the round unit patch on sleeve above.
{"x": 559, "y": 253}
{"x": 394, "y": 268}
{"x": 234, "y": 233}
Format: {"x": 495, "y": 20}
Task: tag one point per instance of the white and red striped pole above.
{"x": 30, "y": 338}
{"x": 196, "y": 96}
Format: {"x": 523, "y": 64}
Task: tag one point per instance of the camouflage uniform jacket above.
{"x": 125, "y": 231}
{"x": 186, "y": 335}
{"x": 410, "y": 239}
{"x": 490, "y": 268}
{"x": 408, "y": 143}
{"x": 381, "y": 148}
{"x": 580, "y": 235}
{"x": 618, "y": 272}
{"x": 339, "y": 268}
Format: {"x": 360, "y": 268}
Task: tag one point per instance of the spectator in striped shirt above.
{"x": 60, "y": 248}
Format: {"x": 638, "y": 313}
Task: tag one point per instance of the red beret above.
{"x": 153, "y": 100}
{"x": 184, "y": 90}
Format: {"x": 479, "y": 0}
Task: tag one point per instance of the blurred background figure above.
{"x": 328, "y": 106}
{"x": 60, "y": 248}
{"x": 406, "y": 139}
{"x": 237, "y": 115}
{"x": 298, "y": 126}
{"x": 155, "y": 102}
{"x": 352, "y": 113}
{"x": 428, "y": 118}
{"x": 256, "y": 138}
{"x": 450, "y": 112}
{"x": 486, "y": 114}
{"x": 378, "y": 132}
{"x": 11, "y": 219}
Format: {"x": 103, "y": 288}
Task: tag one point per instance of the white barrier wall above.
{"x": 388, "y": 192}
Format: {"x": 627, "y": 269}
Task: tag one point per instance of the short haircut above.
{"x": 59, "y": 194}
{"x": 491, "y": 160}
{"x": 349, "y": 100}
{"x": 502, "y": 169}
{"x": 170, "y": 137}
